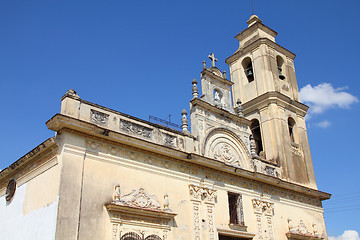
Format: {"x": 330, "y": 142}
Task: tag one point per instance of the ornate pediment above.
{"x": 300, "y": 232}
{"x": 139, "y": 212}
{"x": 139, "y": 199}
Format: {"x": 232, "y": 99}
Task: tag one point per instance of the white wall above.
{"x": 36, "y": 225}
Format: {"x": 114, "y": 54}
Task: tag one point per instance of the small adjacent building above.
{"x": 244, "y": 171}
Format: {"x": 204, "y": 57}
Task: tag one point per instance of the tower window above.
{"x": 248, "y": 68}
{"x": 256, "y": 132}
{"x": 291, "y": 124}
{"x": 236, "y": 209}
{"x": 280, "y": 63}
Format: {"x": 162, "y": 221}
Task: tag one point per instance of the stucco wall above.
{"x": 106, "y": 165}
{"x": 32, "y": 212}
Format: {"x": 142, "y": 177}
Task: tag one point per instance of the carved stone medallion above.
{"x": 225, "y": 153}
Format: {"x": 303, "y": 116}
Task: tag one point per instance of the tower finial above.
{"x": 213, "y": 59}
{"x": 252, "y": 7}
{"x": 195, "y": 89}
{"x": 253, "y": 19}
{"x": 184, "y": 121}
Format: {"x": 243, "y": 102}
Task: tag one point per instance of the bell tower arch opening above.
{"x": 256, "y": 132}
{"x": 248, "y": 69}
{"x": 280, "y": 64}
{"x": 271, "y": 99}
{"x": 291, "y": 126}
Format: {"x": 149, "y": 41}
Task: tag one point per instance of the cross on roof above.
{"x": 213, "y": 59}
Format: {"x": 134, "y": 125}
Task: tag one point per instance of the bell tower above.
{"x": 264, "y": 80}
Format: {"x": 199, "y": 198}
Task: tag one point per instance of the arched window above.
{"x": 153, "y": 237}
{"x": 130, "y": 236}
{"x": 248, "y": 69}
{"x": 291, "y": 124}
{"x": 256, "y": 132}
{"x": 135, "y": 236}
{"x": 280, "y": 63}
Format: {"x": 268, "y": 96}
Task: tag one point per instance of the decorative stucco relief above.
{"x": 196, "y": 192}
{"x": 196, "y": 220}
{"x": 210, "y": 215}
{"x": 264, "y": 212}
{"x": 140, "y": 199}
{"x": 99, "y": 117}
{"x": 169, "y": 140}
{"x": 225, "y": 153}
{"x": 198, "y": 196}
{"x": 135, "y": 129}
{"x": 302, "y": 230}
{"x": 224, "y": 146}
{"x": 121, "y": 152}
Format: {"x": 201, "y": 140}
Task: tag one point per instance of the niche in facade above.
{"x": 217, "y": 98}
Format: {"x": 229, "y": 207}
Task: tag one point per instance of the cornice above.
{"x": 219, "y": 111}
{"x": 39, "y": 150}
{"x": 235, "y": 233}
{"x": 252, "y": 45}
{"x": 134, "y": 211}
{"x": 265, "y": 99}
{"x": 297, "y": 236}
{"x": 253, "y": 28}
{"x": 220, "y": 79}
{"x": 65, "y": 123}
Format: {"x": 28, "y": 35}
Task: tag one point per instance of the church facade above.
{"x": 244, "y": 171}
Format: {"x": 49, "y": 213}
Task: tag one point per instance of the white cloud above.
{"x": 325, "y": 96}
{"x": 322, "y": 124}
{"x": 347, "y": 235}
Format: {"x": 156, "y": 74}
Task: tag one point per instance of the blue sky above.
{"x": 139, "y": 57}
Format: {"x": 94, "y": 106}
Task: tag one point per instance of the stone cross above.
{"x": 213, "y": 59}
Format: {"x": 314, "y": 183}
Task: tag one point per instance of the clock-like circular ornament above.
{"x": 10, "y": 190}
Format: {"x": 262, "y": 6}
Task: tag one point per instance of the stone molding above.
{"x": 261, "y": 207}
{"x": 202, "y": 193}
{"x": 225, "y": 146}
{"x": 235, "y": 233}
{"x": 49, "y": 144}
{"x": 255, "y": 44}
{"x": 264, "y": 212}
{"x": 198, "y": 196}
{"x": 263, "y": 101}
{"x": 220, "y": 112}
{"x": 139, "y": 212}
{"x": 217, "y": 75}
{"x": 187, "y": 168}
{"x": 247, "y": 178}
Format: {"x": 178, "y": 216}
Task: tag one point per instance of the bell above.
{"x": 249, "y": 73}
{"x": 281, "y": 76}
